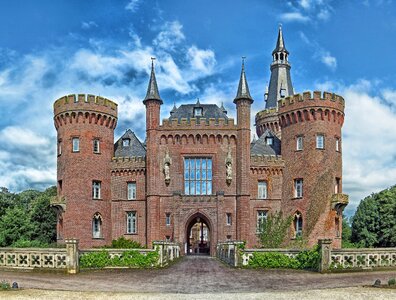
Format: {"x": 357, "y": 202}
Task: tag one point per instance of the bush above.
{"x": 22, "y": 243}
{"x": 272, "y": 260}
{"x": 123, "y": 243}
{"x": 98, "y": 259}
{"x": 5, "y": 285}
{"x": 309, "y": 259}
{"x": 392, "y": 281}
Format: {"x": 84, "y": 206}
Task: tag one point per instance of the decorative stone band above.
{"x": 192, "y": 122}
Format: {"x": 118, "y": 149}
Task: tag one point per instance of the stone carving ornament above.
{"x": 167, "y": 164}
{"x": 228, "y": 164}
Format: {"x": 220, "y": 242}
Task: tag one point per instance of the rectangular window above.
{"x": 131, "y": 190}
{"x": 262, "y": 190}
{"x": 60, "y": 187}
{"x": 337, "y": 144}
{"x": 270, "y": 141}
{"x": 167, "y": 219}
{"x": 198, "y": 176}
{"x": 59, "y": 147}
{"x": 337, "y": 185}
{"x": 131, "y": 222}
{"x": 319, "y": 141}
{"x": 96, "y": 189}
{"x": 299, "y": 143}
{"x": 228, "y": 219}
{"x": 125, "y": 142}
{"x": 96, "y": 144}
{"x": 76, "y": 144}
{"x": 298, "y": 188}
{"x": 261, "y": 218}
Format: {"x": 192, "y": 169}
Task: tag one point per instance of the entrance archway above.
{"x": 198, "y": 235}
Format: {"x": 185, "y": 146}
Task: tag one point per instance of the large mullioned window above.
{"x": 198, "y": 176}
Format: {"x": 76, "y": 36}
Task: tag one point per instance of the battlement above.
{"x": 267, "y": 160}
{"x": 298, "y": 101}
{"x": 193, "y": 123}
{"x": 83, "y": 102}
{"x": 128, "y": 163}
{"x": 267, "y": 112}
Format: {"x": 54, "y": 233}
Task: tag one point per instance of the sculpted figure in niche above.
{"x": 228, "y": 163}
{"x": 167, "y": 163}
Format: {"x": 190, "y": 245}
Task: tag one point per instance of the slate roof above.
{"x": 243, "y": 88}
{"x": 208, "y": 111}
{"x": 260, "y": 147}
{"x": 135, "y": 147}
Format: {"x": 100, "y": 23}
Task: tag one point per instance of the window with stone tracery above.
{"x": 197, "y": 176}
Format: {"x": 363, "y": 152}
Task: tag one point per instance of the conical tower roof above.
{"x": 280, "y": 43}
{"x": 152, "y": 89}
{"x": 243, "y": 87}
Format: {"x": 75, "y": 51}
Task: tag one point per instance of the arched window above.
{"x": 97, "y": 226}
{"x": 298, "y": 224}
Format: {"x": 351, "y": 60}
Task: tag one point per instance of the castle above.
{"x": 199, "y": 178}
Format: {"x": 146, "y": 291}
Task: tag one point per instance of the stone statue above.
{"x": 228, "y": 163}
{"x": 167, "y": 164}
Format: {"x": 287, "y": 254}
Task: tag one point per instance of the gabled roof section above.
{"x": 208, "y": 111}
{"x": 135, "y": 147}
{"x": 261, "y": 147}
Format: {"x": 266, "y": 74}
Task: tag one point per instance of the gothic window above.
{"x": 131, "y": 222}
{"x": 198, "y": 176}
{"x": 96, "y": 146}
{"x": 319, "y": 141}
{"x": 298, "y": 224}
{"x": 76, "y": 144}
{"x": 97, "y": 226}
{"x": 299, "y": 143}
{"x": 96, "y": 187}
{"x": 167, "y": 219}
{"x": 262, "y": 190}
{"x": 126, "y": 142}
{"x": 131, "y": 190}
{"x": 298, "y": 188}
{"x": 261, "y": 218}
{"x": 228, "y": 219}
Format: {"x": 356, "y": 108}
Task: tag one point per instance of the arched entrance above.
{"x": 198, "y": 235}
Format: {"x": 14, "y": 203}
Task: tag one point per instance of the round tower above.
{"x": 312, "y": 150}
{"x": 85, "y": 130}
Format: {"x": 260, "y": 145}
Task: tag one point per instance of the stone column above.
{"x": 325, "y": 254}
{"x": 72, "y": 256}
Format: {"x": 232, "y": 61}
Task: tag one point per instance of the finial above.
{"x": 243, "y": 60}
{"x": 198, "y": 103}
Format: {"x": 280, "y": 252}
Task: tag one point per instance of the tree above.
{"x": 273, "y": 230}
{"x": 374, "y": 223}
{"x": 14, "y": 225}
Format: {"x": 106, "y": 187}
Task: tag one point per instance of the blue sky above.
{"x": 52, "y": 48}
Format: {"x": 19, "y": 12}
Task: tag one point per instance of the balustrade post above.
{"x": 325, "y": 254}
{"x": 72, "y": 256}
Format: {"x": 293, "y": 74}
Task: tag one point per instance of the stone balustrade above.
{"x": 364, "y": 258}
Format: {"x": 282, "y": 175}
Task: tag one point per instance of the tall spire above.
{"x": 243, "y": 88}
{"x": 280, "y": 85}
{"x": 152, "y": 89}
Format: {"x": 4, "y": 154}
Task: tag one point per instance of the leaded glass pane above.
{"x": 209, "y": 187}
{"x": 203, "y": 187}
{"x": 209, "y": 174}
{"x": 197, "y": 176}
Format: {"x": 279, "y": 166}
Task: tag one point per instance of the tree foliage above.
{"x": 374, "y": 223}
{"x": 273, "y": 230}
{"x": 27, "y": 217}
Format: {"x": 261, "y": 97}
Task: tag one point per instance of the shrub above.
{"x": 22, "y": 243}
{"x": 5, "y": 285}
{"x": 98, "y": 259}
{"x": 123, "y": 243}
{"x": 392, "y": 281}
{"x": 309, "y": 259}
{"x": 272, "y": 260}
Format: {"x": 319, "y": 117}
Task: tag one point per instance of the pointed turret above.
{"x": 280, "y": 85}
{"x": 152, "y": 89}
{"x": 243, "y": 88}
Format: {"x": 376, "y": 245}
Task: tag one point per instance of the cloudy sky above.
{"x": 50, "y": 48}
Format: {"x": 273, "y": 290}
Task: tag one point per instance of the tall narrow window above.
{"x": 299, "y": 143}
{"x": 228, "y": 219}
{"x": 96, "y": 146}
{"x": 59, "y": 147}
{"x": 97, "y": 226}
{"x": 262, "y": 190}
{"x": 337, "y": 185}
{"x": 167, "y": 219}
{"x": 60, "y": 187}
{"x": 76, "y": 144}
{"x": 337, "y": 145}
{"x": 298, "y": 224}
{"x": 319, "y": 141}
{"x": 337, "y": 226}
{"x": 261, "y": 218}
{"x": 198, "y": 176}
{"x": 96, "y": 185}
{"x": 131, "y": 222}
{"x": 131, "y": 190}
{"x": 298, "y": 188}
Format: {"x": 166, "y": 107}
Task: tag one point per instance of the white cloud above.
{"x": 329, "y": 60}
{"x": 170, "y": 36}
{"x": 294, "y": 17}
{"x": 132, "y": 5}
{"x": 201, "y": 60}
{"x": 88, "y": 25}
{"x": 22, "y": 137}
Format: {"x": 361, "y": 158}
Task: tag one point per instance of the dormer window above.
{"x": 269, "y": 140}
{"x": 197, "y": 111}
{"x": 126, "y": 142}
{"x": 282, "y": 92}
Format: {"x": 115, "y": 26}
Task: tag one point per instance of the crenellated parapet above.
{"x": 125, "y": 165}
{"x": 84, "y": 108}
{"x": 196, "y": 123}
{"x": 266, "y": 164}
{"x": 311, "y": 107}
{"x": 267, "y": 119}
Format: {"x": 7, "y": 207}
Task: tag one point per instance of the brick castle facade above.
{"x": 199, "y": 178}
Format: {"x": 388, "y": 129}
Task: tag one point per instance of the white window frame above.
{"x": 96, "y": 189}
{"x": 262, "y": 189}
{"x": 131, "y": 190}
{"x": 337, "y": 144}
{"x": 299, "y": 143}
{"x": 198, "y": 176}
{"x": 96, "y": 146}
{"x": 59, "y": 147}
{"x": 75, "y": 144}
{"x": 228, "y": 219}
{"x": 167, "y": 219}
{"x": 261, "y": 217}
{"x": 131, "y": 222}
{"x": 97, "y": 224}
{"x": 126, "y": 142}
{"x": 198, "y": 112}
{"x": 298, "y": 188}
{"x": 320, "y": 141}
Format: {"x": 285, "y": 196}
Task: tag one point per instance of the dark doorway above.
{"x": 198, "y": 237}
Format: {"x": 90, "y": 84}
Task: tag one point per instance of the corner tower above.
{"x": 85, "y": 130}
{"x": 280, "y": 86}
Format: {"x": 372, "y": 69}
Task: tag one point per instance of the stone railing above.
{"x": 168, "y": 252}
{"x": 248, "y": 253}
{"x": 229, "y": 252}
